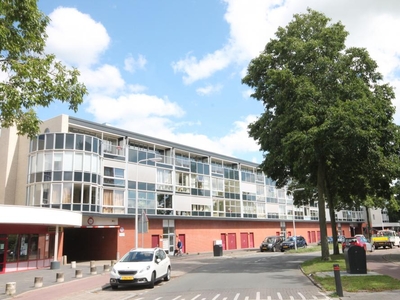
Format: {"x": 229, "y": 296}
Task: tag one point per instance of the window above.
{"x": 164, "y": 204}
{"x": 218, "y": 186}
{"x": 112, "y": 177}
{"x": 164, "y": 179}
{"x": 113, "y": 201}
{"x": 182, "y": 184}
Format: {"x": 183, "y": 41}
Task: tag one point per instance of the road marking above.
{"x": 196, "y": 297}
{"x": 215, "y": 298}
{"x": 269, "y": 298}
{"x": 176, "y": 297}
{"x": 258, "y": 296}
{"x": 279, "y": 296}
{"x": 301, "y": 296}
{"x": 326, "y": 296}
{"x": 291, "y": 298}
{"x": 237, "y": 296}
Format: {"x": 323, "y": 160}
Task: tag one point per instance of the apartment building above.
{"x": 88, "y": 191}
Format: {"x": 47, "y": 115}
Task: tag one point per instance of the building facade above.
{"x": 131, "y": 190}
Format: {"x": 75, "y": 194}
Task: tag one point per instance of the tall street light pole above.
{"x": 153, "y": 159}
{"x": 294, "y": 223}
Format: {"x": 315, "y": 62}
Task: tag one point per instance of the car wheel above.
{"x": 168, "y": 275}
{"x": 372, "y": 248}
{"x": 114, "y": 286}
{"x": 152, "y": 280}
{"x": 273, "y": 249}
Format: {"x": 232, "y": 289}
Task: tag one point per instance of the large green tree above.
{"x": 31, "y": 78}
{"x": 328, "y": 119}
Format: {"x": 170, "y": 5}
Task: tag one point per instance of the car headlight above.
{"x": 145, "y": 269}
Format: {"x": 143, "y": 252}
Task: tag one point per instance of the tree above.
{"x": 328, "y": 119}
{"x": 32, "y": 77}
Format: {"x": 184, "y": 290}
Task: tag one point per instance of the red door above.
{"x": 182, "y": 238}
{"x": 223, "y": 238}
{"x": 244, "y": 240}
{"x": 231, "y": 241}
{"x": 251, "y": 240}
{"x": 155, "y": 241}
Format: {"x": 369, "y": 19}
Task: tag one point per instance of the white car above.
{"x": 143, "y": 266}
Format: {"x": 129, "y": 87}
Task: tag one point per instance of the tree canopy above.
{"x": 328, "y": 119}
{"x": 29, "y": 77}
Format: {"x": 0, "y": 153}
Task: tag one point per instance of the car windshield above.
{"x": 290, "y": 239}
{"x": 269, "y": 240}
{"x": 137, "y": 256}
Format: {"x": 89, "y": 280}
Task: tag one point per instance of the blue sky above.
{"x": 173, "y": 69}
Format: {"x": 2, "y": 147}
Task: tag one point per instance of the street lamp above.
{"x": 294, "y": 224}
{"x": 153, "y": 159}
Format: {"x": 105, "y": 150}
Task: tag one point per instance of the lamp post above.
{"x": 153, "y": 159}
{"x": 294, "y": 224}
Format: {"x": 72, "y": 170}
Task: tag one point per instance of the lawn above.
{"x": 353, "y": 283}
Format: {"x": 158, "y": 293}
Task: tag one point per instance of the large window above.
{"x": 218, "y": 187}
{"x": 164, "y": 204}
{"x": 164, "y": 179}
{"x": 113, "y": 201}
{"x": 182, "y": 183}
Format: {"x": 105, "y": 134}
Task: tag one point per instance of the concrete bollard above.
{"x": 78, "y": 273}
{"x": 38, "y": 282}
{"x": 113, "y": 262}
{"x": 65, "y": 261}
{"x": 106, "y": 268}
{"x": 93, "y": 270}
{"x": 92, "y": 263}
{"x": 11, "y": 288}
{"x": 73, "y": 264}
{"x": 60, "y": 277}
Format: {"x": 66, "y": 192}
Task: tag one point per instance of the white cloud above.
{"x": 136, "y": 88}
{"x": 75, "y": 37}
{"x": 209, "y": 89}
{"x": 196, "y": 70}
{"x": 131, "y": 64}
{"x": 105, "y": 79}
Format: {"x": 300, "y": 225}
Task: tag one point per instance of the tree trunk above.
{"x": 321, "y": 210}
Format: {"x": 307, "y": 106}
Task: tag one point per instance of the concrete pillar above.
{"x": 113, "y": 262}
{"x": 106, "y": 268}
{"x": 60, "y": 277}
{"x": 93, "y": 270}
{"x": 11, "y": 288}
{"x": 78, "y": 273}
{"x": 65, "y": 261}
{"x": 38, "y": 282}
{"x": 92, "y": 263}
{"x": 73, "y": 264}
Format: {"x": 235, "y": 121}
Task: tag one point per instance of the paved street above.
{"x": 96, "y": 286}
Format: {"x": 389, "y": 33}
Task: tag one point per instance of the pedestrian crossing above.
{"x": 239, "y": 296}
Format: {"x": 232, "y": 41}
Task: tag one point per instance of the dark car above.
{"x": 341, "y": 238}
{"x": 271, "y": 243}
{"x": 290, "y": 243}
{"x": 329, "y": 239}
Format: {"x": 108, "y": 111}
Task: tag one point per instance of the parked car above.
{"x": 143, "y": 266}
{"x": 341, "y": 239}
{"x": 358, "y": 241}
{"x": 271, "y": 243}
{"x": 290, "y": 243}
{"x": 329, "y": 239}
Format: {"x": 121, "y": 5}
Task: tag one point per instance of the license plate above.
{"x": 284, "y": 246}
{"x": 126, "y": 277}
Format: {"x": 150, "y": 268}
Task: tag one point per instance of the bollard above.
{"x": 65, "y": 261}
{"x": 38, "y": 282}
{"x": 73, "y": 264}
{"x": 11, "y": 288}
{"x": 338, "y": 281}
{"x": 106, "y": 268}
{"x": 60, "y": 277}
{"x": 93, "y": 270}
{"x": 78, "y": 273}
{"x": 113, "y": 262}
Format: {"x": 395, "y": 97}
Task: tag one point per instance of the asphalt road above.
{"x": 272, "y": 276}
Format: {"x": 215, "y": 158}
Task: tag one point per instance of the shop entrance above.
{"x": 2, "y": 255}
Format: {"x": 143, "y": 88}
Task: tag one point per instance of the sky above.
{"x": 173, "y": 69}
